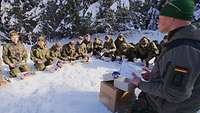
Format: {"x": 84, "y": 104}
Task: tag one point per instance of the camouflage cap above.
{"x": 13, "y": 33}
{"x": 40, "y": 38}
{"x": 120, "y": 35}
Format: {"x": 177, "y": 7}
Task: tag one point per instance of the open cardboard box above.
{"x": 113, "y": 98}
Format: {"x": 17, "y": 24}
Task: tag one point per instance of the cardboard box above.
{"x": 114, "y": 99}
{"x": 124, "y": 84}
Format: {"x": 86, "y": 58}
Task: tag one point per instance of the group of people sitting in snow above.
{"x": 15, "y": 54}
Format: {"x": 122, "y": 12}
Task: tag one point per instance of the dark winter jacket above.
{"x": 174, "y": 86}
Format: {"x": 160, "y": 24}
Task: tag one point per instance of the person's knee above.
{"x": 40, "y": 67}
{"x": 25, "y": 68}
{"x": 14, "y": 72}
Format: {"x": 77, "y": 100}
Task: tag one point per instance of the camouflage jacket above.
{"x": 68, "y": 51}
{"x": 89, "y": 45}
{"x": 14, "y": 53}
{"x": 81, "y": 49}
{"x": 97, "y": 46}
{"x": 53, "y": 54}
{"x": 121, "y": 46}
{"x": 110, "y": 46}
{"x": 38, "y": 53}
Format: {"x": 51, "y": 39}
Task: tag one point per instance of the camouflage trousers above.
{"x": 119, "y": 53}
{"x": 109, "y": 54}
{"x": 42, "y": 66}
{"x": 14, "y": 72}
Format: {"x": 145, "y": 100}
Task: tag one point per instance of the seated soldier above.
{"x": 146, "y": 50}
{"x": 69, "y": 51}
{"x": 131, "y": 52}
{"x": 81, "y": 50}
{"x": 97, "y": 47}
{"x": 88, "y": 42}
{"x": 15, "y": 55}
{"x": 55, "y": 52}
{"x": 109, "y": 48}
{"x": 142, "y": 48}
{"x": 121, "y": 46}
{"x": 40, "y": 54}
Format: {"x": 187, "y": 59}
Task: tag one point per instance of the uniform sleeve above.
{"x": 6, "y": 60}
{"x": 178, "y": 78}
{"x": 32, "y": 55}
{"x": 63, "y": 52}
{"x": 113, "y": 47}
{"x": 51, "y": 55}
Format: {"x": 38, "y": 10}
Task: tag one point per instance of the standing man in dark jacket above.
{"x": 174, "y": 84}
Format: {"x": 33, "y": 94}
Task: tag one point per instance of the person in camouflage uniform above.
{"x": 40, "y": 54}
{"x": 131, "y": 52}
{"x": 121, "y": 46}
{"x": 97, "y": 47}
{"x": 55, "y": 52}
{"x": 81, "y": 49}
{"x": 15, "y": 55}
{"x": 109, "y": 47}
{"x": 69, "y": 51}
{"x": 142, "y": 48}
{"x": 146, "y": 50}
{"x": 88, "y": 43}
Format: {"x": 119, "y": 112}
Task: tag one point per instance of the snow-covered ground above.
{"x": 73, "y": 89}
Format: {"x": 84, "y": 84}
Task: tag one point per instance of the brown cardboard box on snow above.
{"x": 113, "y": 98}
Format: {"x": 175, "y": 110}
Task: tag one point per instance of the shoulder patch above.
{"x": 181, "y": 74}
